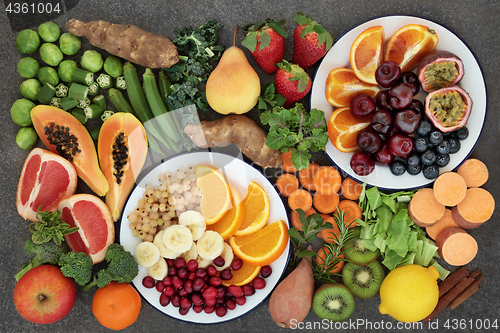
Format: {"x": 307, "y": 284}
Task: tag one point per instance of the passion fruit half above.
{"x": 448, "y": 108}
{"x": 439, "y": 69}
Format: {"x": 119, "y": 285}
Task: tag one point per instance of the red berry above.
{"x": 176, "y": 300}
{"x": 164, "y": 300}
{"x": 220, "y": 310}
{"x": 215, "y": 281}
{"x": 192, "y": 265}
{"x": 230, "y": 304}
{"x": 236, "y": 291}
{"x": 292, "y": 82}
{"x": 167, "y": 281}
{"x": 170, "y": 262}
{"x": 248, "y": 290}
{"x": 159, "y": 286}
{"x": 210, "y": 292}
{"x": 188, "y": 286}
{"x": 221, "y": 292}
{"x": 240, "y": 300}
{"x": 306, "y": 49}
{"x": 179, "y": 262}
{"x": 210, "y": 301}
{"x": 266, "y": 271}
{"x": 148, "y": 282}
{"x": 201, "y": 273}
{"x": 186, "y": 303}
{"x": 198, "y": 284}
{"x": 191, "y": 276}
{"x": 182, "y": 292}
{"x": 211, "y": 270}
{"x": 196, "y": 298}
{"x": 169, "y": 291}
{"x": 209, "y": 309}
{"x": 220, "y": 300}
{"x": 177, "y": 282}
{"x": 236, "y": 264}
{"x": 172, "y": 271}
{"x": 183, "y": 273}
{"x": 259, "y": 283}
{"x": 197, "y": 308}
{"x": 226, "y": 274}
{"x": 183, "y": 311}
{"x": 219, "y": 261}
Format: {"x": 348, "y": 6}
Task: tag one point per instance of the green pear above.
{"x": 233, "y": 86}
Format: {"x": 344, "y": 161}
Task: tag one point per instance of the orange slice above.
{"x": 367, "y": 52}
{"x": 257, "y": 210}
{"x": 342, "y": 85}
{"x": 242, "y": 276}
{"x": 343, "y": 129}
{"x": 262, "y": 247}
{"x": 409, "y": 45}
{"x": 215, "y": 193}
{"x": 231, "y": 221}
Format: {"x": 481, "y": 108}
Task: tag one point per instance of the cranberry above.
{"x": 196, "y": 298}
{"x": 179, "y": 262}
{"x": 170, "y": 262}
{"x": 210, "y": 301}
{"x": 221, "y": 292}
{"x": 182, "y": 292}
{"x": 406, "y": 121}
{"x": 159, "y": 286}
{"x": 169, "y": 291}
{"x": 384, "y": 155}
{"x": 382, "y": 100}
{"x": 387, "y": 74}
{"x": 201, "y": 273}
{"x": 369, "y": 141}
{"x": 192, "y": 265}
{"x": 191, "y": 276}
{"x": 400, "y": 145}
{"x": 183, "y": 311}
{"x": 211, "y": 270}
{"x": 266, "y": 271}
{"x": 411, "y": 80}
{"x": 172, "y": 271}
{"x": 236, "y": 291}
{"x": 220, "y": 300}
{"x": 164, "y": 300}
{"x": 210, "y": 292}
{"x": 167, "y": 281}
{"x": 362, "y": 164}
{"x": 226, "y": 274}
{"x": 230, "y": 303}
{"x": 209, "y": 309}
{"x": 183, "y": 273}
{"x": 236, "y": 264}
{"x": 198, "y": 284}
{"x": 258, "y": 283}
{"x": 197, "y": 308}
{"x": 220, "y": 311}
{"x": 188, "y": 286}
{"x": 400, "y": 96}
{"x": 148, "y": 282}
{"x": 219, "y": 261}
{"x": 215, "y": 281}
{"x": 240, "y": 300}
{"x": 362, "y": 105}
{"x": 381, "y": 121}
{"x": 177, "y": 282}
{"x": 248, "y": 290}
{"x": 176, "y": 300}
{"x": 186, "y": 303}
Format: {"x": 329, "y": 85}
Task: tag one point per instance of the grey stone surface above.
{"x": 476, "y": 22}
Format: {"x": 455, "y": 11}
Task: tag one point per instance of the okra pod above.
{"x": 67, "y": 103}
{"x": 83, "y": 103}
{"x": 121, "y": 83}
{"x": 93, "y": 111}
{"x": 93, "y": 89}
{"x": 106, "y": 114}
{"x": 46, "y": 93}
{"x": 119, "y": 102}
{"x": 105, "y": 81}
{"x": 56, "y": 102}
{"x": 164, "y": 87}
{"x": 101, "y": 101}
{"x": 79, "y": 114}
{"x": 78, "y": 91}
{"x": 62, "y": 90}
{"x": 82, "y": 76}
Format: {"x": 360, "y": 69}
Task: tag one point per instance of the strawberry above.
{"x": 292, "y": 82}
{"x": 310, "y": 40}
{"x": 266, "y": 42}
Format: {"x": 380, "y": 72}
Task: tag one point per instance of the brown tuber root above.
{"x": 237, "y": 129}
{"x": 128, "y": 42}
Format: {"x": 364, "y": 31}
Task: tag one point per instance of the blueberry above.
{"x": 436, "y": 137}
{"x": 424, "y": 128}
{"x": 413, "y": 159}
{"x": 454, "y": 145}
{"x": 462, "y": 133}
{"x": 442, "y": 160}
{"x": 428, "y": 158}
{"x": 430, "y": 171}
{"x": 414, "y": 169}
{"x": 420, "y": 145}
{"x": 397, "y": 168}
{"x": 443, "y": 148}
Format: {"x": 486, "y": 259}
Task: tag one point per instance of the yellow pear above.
{"x": 233, "y": 86}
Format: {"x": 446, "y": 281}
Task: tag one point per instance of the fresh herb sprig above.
{"x": 49, "y": 226}
{"x": 269, "y": 98}
{"x": 297, "y": 130}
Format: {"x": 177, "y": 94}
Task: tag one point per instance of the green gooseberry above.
{"x": 27, "y": 67}
{"x": 92, "y": 61}
{"x": 30, "y": 88}
{"x": 69, "y": 43}
{"x": 20, "y": 112}
{"x": 49, "y": 31}
{"x": 51, "y": 54}
{"x": 66, "y": 69}
{"x": 27, "y": 41}
{"x": 48, "y": 74}
{"x": 26, "y": 138}
{"x": 113, "y": 66}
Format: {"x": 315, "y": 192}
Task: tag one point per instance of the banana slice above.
{"x": 195, "y": 222}
{"x": 228, "y": 255}
{"x": 146, "y": 254}
{"x": 178, "y": 238}
{"x": 210, "y": 245}
{"x": 192, "y": 253}
{"x": 202, "y": 263}
{"x": 158, "y": 270}
{"x": 165, "y": 252}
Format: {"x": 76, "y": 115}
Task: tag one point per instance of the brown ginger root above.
{"x": 128, "y": 42}
{"x": 237, "y": 129}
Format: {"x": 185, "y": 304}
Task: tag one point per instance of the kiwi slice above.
{"x": 363, "y": 280}
{"x": 333, "y": 302}
{"x": 356, "y": 252}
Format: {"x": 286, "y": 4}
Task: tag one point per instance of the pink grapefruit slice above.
{"x": 46, "y": 179}
{"x": 96, "y": 227}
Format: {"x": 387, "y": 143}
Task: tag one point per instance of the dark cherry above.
{"x": 361, "y": 163}
{"x": 362, "y": 105}
{"x": 406, "y": 121}
{"x": 400, "y": 96}
{"x": 384, "y": 155}
{"x": 382, "y": 100}
{"x": 411, "y": 79}
{"x": 400, "y": 145}
{"x": 387, "y": 74}
{"x": 369, "y": 141}
{"x": 381, "y": 121}
{"x": 418, "y": 107}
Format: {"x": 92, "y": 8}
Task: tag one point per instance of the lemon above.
{"x": 409, "y": 293}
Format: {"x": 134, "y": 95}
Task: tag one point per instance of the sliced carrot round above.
{"x": 327, "y": 180}
{"x": 286, "y": 184}
{"x": 325, "y": 203}
{"x": 306, "y": 176}
{"x": 321, "y": 258}
{"x": 294, "y": 218}
{"x": 351, "y": 211}
{"x": 351, "y": 189}
{"x": 300, "y": 199}
{"x": 328, "y": 234}
{"x": 287, "y": 165}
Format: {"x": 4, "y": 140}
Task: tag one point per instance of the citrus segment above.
{"x": 257, "y": 210}
{"x": 232, "y": 220}
{"x": 367, "y": 52}
{"x": 342, "y": 85}
{"x": 215, "y": 193}
{"x": 262, "y": 247}
{"x": 343, "y": 129}
{"x": 409, "y": 45}
{"x": 242, "y": 276}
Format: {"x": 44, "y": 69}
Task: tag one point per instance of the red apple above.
{"x": 44, "y": 295}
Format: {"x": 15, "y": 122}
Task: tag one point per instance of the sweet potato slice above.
{"x": 456, "y": 246}
{"x": 445, "y": 222}
{"x": 424, "y": 209}
{"x": 474, "y": 172}
{"x": 476, "y": 208}
{"x": 449, "y": 188}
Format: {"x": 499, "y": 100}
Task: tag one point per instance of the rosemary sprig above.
{"x": 49, "y": 226}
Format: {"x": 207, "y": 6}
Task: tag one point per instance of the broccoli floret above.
{"x": 122, "y": 268}
{"x": 46, "y": 253}
{"x": 76, "y": 265}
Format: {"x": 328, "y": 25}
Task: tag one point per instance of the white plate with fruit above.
{"x": 239, "y": 175}
{"x": 472, "y": 82}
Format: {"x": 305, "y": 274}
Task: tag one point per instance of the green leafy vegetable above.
{"x": 269, "y": 98}
{"x": 49, "y": 226}
{"x": 76, "y": 265}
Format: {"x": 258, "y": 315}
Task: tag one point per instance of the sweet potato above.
{"x": 424, "y": 209}
{"x": 325, "y": 203}
{"x": 474, "y": 172}
{"x": 351, "y": 189}
{"x": 445, "y": 222}
{"x": 291, "y": 301}
{"x": 286, "y": 184}
{"x": 237, "y": 129}
{"x": 449, "y": 188}
{"x": 476, "y": 208}
{"x": 456, "y": 246}
{"x": 128, "y": 42}
{"x": 306, "y": 176}
{"x": 327, "y": 180}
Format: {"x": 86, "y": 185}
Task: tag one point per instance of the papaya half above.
{"x": 122, "y": 148}
{"x": 65, "y": 135}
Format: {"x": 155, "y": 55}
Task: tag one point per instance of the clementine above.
{"x": 342, "y": 85}
{"x": 367, "y": 52}
{"x": 343, "y": 129}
